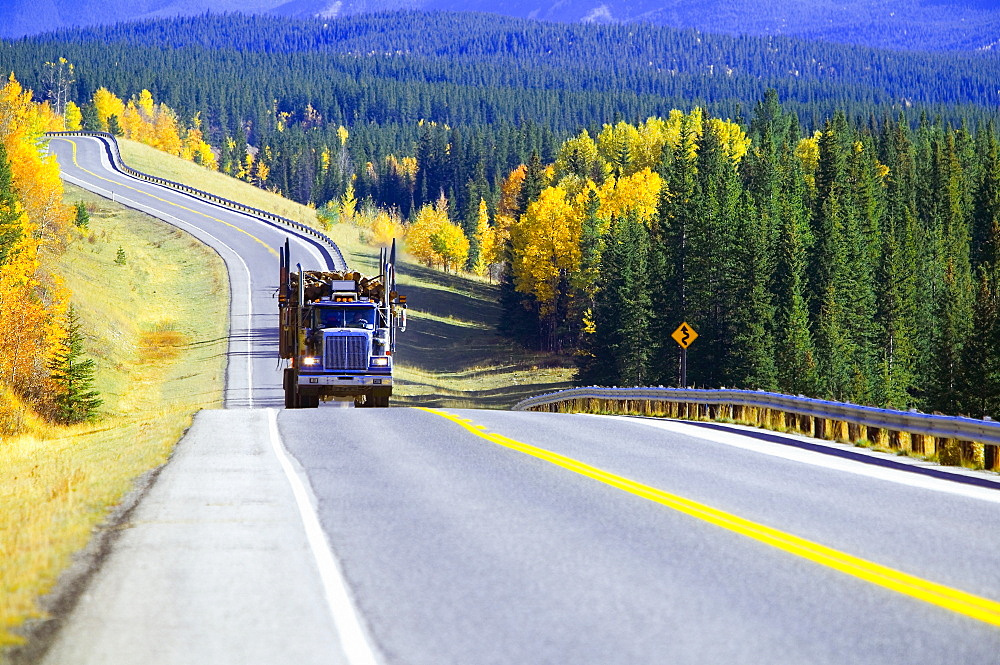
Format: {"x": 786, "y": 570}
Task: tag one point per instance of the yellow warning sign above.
{"x": 684, "y": 335}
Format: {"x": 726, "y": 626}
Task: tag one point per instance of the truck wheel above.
{"x": 288, "y": 382}
{"x": 308, "y": 401}
{"x": 379, "y": 399}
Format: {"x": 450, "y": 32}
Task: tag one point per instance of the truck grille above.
{"x": 346, "y": 352}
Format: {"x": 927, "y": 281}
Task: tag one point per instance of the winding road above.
{"x": 475, "y": 537}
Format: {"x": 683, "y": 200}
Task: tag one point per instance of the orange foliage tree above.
{"x": 32, "y": 220}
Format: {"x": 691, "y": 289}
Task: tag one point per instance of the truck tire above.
{"x": 379, "y": 400}
{"x": 308, "y": 401}
{"x": 288, "y": 383}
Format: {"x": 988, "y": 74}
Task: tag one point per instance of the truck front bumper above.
{"x": 343, "y": 380}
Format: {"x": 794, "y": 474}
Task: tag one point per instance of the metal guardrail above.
{"x": 116, "y": 160}
{"x": 912, "y": 422}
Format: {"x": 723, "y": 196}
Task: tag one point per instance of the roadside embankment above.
{"x": 155, "y": 319}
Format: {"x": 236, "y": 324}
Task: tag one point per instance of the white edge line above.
{"x": 180, "y": 223}
{"x": 791, "y": 453}
{"x": 353, "y": 637}
{"x": 303, "y": 242}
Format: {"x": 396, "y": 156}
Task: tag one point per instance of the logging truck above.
{"x": 338, "y": 333}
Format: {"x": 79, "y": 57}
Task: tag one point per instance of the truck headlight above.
{"x": 380, "y": 361}
{"x": 310, "y": 360}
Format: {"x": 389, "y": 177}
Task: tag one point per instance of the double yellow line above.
{"x": 964, "y": 603}
{"x": 162, "y": 200}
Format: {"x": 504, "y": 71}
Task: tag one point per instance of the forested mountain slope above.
{"x": 471, "y": 96}
{"x": 905, "y": 24}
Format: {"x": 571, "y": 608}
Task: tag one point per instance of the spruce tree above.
{"x": 73, "y": 376}
{"x": 89, "y": 120}
{"x": 980, "y": 385}
{"x": 896, "y": 275}
{"x": 114, "y": 126}
{"x": 82, "y": 218}
{"x": 956, "y": 291}
{"x": 795, "y": 353}
{"x": 620, "y": 345}
{"x": 749, "y": 361}
{"x": 669, "y": 258}
{"x": 11, "y": 228}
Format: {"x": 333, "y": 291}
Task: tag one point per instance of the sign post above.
{"x": 684, "y": 335}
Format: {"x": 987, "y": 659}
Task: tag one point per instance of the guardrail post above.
{"x": 810, "y": 426}
{"x": 973, "y": 453}
{"x": 949, "y": 451}
{"x": 854, "y": 433}
{"x": 991, "y": 457}
{"x": 905, "y": 441}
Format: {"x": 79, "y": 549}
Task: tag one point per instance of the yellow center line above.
{"x": 162, "y": 200}
{"x": 964, "y": 603}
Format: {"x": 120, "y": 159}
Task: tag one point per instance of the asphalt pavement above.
{"x": 405, "y": 536}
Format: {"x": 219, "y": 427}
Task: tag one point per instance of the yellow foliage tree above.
{"x": 36, "y": 175}
{"x": 385, "y": 227}
{"x": 434, "y": 240}
{"x": 546, "y": 244}
{"x": 166, "y": 137}
{"x": 146, "y": 104}
{"x": 484, "y": 240}
{"x": 74, "y": 117}
{"x": 735, "y": 142}
{"x": 451, "y": 245}
{"x": 638, "y": 193}
{"x": 348, "y": 204}
{"x": 579, "y": 156}
{"x": 107, "y": 104}
{"x": 808, "y": 153}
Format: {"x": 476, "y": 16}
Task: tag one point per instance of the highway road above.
{"x": 473, "y": 537}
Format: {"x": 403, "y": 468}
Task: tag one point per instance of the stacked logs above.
{"x": 318, "y": 284}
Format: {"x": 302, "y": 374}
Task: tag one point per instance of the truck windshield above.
{"x": 345, "y": 317}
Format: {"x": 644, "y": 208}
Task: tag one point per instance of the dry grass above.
{"x": 157, "y": 329}
{"x": 449, "y": 356}
{"x": 150, "y": 160}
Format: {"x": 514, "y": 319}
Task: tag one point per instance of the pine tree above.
{"x": 749, "y": 361}
{"x": 956, "y": 294}
{"x": 89, "y": 120}
{"x": 896, "y": 276}
{"x": 669, "y": 262}
{"x": 980, "y": 385}
{"x": 114, "y": 126}
{"x": 986, "y": 210}
{"x": 82, "y": 218}
{"x": 620, "y": 344}
{"x": 795, "y": 352}
{"x": 11, "y": 226}
{"x": 73, "y": 376}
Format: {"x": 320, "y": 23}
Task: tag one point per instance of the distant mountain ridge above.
{"x": 962, "y": 25}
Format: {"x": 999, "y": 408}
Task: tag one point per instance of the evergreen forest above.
{"x": 471, "y": 96}
{"x": 826, "y": 217}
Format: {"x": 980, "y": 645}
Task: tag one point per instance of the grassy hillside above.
{"x": 159, "y": 340}
{"x": 449, "y": 355}
{"x": 153, "y": 162}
